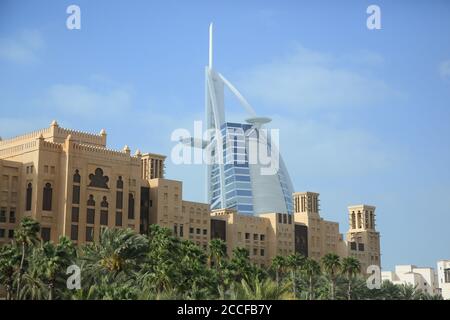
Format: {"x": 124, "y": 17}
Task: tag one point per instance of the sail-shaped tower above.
{"x": 233, "y": 179}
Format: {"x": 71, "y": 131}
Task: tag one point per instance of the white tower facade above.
{"x": 233, "y": 180}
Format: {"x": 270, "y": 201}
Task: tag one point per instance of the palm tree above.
{"x": 25, "y": 236}
{"x": 160, "y": 270}
{"x": 430, "y": 296}
{"x": 409, "y": 292}
{"x": 331, "y": 265}
{"x": 240, "y": 264}
{"x": 260, "y": 290}
{"x": 278, "y": 264}
{"x": 312, "y": 270}
{"x": 350, "y": 267}
{"x": 118, "y": 250}
{"x": 389, "y": 291}
{"x": 293, "y": 262}
{"x": 217, "y": 251}
{"x": 53, "y": 261}
{"x": 9, "y": 261}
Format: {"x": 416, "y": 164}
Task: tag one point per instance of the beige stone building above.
{"x": 74, "y": 186}
{"x": 188, "y": 220}
{"x": 362, "y": 240}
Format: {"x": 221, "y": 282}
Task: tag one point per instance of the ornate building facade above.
{"x": 74, "y": 186}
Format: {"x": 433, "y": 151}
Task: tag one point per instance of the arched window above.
{"x": 98, "y": 179}
{"x": 119, "y": 193}
{"x": 104, "y": 203}
{"x": 90, "y": 213}
{"x": 47, "y": 197}
{"x": 91, "y": 201}
{"x": 76, "y": 187}
{"x": 130, "y": 206}
{"x": 372, "y": 220}
{"x": 359, "y": 220}
{"x": 353, "y": 220}
{"x": 29, "y": 197}
{"x": 104, "y": 212}
{"x": 119, "y": 184}
{"x": 77, "y": 177}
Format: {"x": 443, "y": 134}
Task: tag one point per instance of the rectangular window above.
{"x": 289, "y": 219}
{"x": 76, "y": 194}
{"x": 255, "y": 236}
{"x": 198, "y": 231}
{"x": 175, "y": 229}
{"x": 191, "y": 230}
{"x": 247, "y": 236}
{"x": 47, "y": 197}
{"x": 285, "y": 218}
{"x": 205, "y": 232}
{"x": 262, "y": 252}
{"x": 3, "y": 215}
{"x": 130, "y": 206}
{"x": 118, "y": 219}
{"x": 353, "y": 245}
{"x": 2, "y": 233}
{"x": 89, "y": 233}
{"x": 90, "y": 216}
{"x": 447, "y": 275}
{"x": 119, "y": 200}
{"x": 262, "y": 237}
{"x": 74, "y": 232}
{"x": 75, "y": 214}
{"x": 12, "y": 215}
{"x": 280, "y": 218}
{"x": 28, "y": 197}
{"x": 11, "y": 233}
{"x": 181, "y": 230}
{"x": 360, "y": 246}
{"x": 45, "y": 234}
{"x": 255, "y": 251}
{"x": 104, "y": 217}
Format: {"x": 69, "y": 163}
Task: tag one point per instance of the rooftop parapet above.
{"x": 102, "y": 151}
{"x": 55, "y": 133}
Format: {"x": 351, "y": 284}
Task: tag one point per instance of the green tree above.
{"x": 278, "y": 265}
{"x": 160, "y": 270}
{"x": 294, "y": 262}
{"x": 350, "y": 268}
{"x": 240, "y": 265}
{"x": 9, "y": 263}
{"x": 25, "y": 236}
{"x": 257, "y": 289}
{"x": 312, "y": 270}
{"x": 331, "y": 265}
{"x": 217, "y": 252}
{"x": 409, "y": 292}
{"x": 53, "y": 261}
{"x": 117, "y": 251}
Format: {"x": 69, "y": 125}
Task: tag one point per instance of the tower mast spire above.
{"x": 210, "y": 45}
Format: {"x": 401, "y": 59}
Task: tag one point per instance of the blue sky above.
{"x": 363, "y": 114}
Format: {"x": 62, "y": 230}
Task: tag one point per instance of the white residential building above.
{"x": 424, "y": 279}
{"x": 443, "y": 269}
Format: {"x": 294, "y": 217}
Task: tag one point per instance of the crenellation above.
{"x": 81, "y": 147}
{"x": 17, "y": 149}
{"x": 21, "y": 138}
